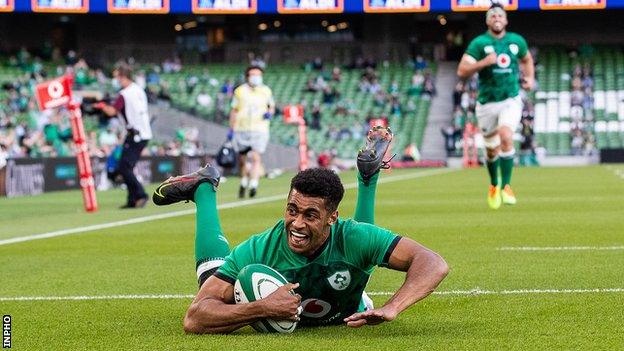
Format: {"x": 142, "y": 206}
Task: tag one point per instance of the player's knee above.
{"x": 505, "y": 133}
{"x": 492, "y": 142}
{"x": 492, "y": 153}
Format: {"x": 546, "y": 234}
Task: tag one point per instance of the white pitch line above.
{"x": 474, "y": 292}
{"x": 560, "y": 248}
{"x": 235, "y": 204}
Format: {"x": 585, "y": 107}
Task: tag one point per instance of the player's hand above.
{"x": 490, "y": 59}
{"x": 527, "y": 83}
{"x": 283, "y": 303}
{"x": 99, "y": 105}
{"x": 372, "y": 317}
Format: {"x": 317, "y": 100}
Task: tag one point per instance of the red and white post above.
{"x": 57, "y": 93}
{"x": 293, "y": 114}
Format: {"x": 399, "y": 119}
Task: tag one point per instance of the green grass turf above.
{"x": 447, "y": 212}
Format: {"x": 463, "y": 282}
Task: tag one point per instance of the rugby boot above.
{"x": 494, "y": 197}
{"x": 370, "y": 158}
{"x": 508, "y": 196}
{"x": 182, "y": 188}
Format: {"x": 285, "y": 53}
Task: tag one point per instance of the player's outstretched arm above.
{"x": 213, "y": 310}
{"x": 468, "y": 65}
{"x": 425, "y": 270}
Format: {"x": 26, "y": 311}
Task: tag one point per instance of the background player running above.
{"x": 498, "y": 56}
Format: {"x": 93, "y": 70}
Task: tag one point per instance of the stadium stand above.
{"x": 339, "y": 105}
{"x": 343, "y": 107}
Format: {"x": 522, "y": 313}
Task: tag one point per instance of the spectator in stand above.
{"x": 310, "y": 86}
{"x": 527, "y": 143}
{"x": 420, "y": 63}
{"x": 336, "y": 75}
{"x": 457, "y": 94}
{"x": 227, "y": 88}
{"x": 448, "y": 132}
{"x": 257, "y": 60}
{"x": 330, "y": 95}
{"x": 204, "y": 99}
{"x": 577, "y": 142}
{"x": 374, "y": 86}
{"x": 428, "y": 86}
{"x": 316, "y": 116}
{"x": 393, "y": 89}
{"x": 317, "y": 64}
{"x": 395, "y": 106}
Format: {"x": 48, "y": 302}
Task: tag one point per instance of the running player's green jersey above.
{"x": 331, "y": 282}
{"x": 501, "y": 80}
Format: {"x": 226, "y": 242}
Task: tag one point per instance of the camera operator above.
{"x": 131, "y": 104}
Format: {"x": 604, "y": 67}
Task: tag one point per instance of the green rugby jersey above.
{"x": 501, "y": 80}
{"x": 332, "y": 282}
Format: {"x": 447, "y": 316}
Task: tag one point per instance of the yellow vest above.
{"x": 251, "y": 104}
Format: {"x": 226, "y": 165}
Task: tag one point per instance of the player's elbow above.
{"x": 462, "y": 72}
{"x": 441, "y": 268}
{"x": 192, "y": 323}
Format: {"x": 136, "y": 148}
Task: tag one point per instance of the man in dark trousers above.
{"x": 131, "y": 105}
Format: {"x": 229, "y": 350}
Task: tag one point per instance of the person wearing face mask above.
{"x": 252, "y": 110}
{"x": 328, "y": 260}
{"x": 501, "y": 58}
{"x": 131, "y": 105}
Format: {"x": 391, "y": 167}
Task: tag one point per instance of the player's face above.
{"x": 497, "y": 22}
{"x": 307, "y": 222}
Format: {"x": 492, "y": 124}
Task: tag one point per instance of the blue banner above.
{"x": 381, "y": 6}
{"x": 292, "y": 6}
{"x": 310, "y": 6}
{"x": 61, "y": 6}
{"x": 572, "y": 4}
{"x": 224, "y": 6}
{"x": 481, "y": 5}
{"x": 138, "y": 6}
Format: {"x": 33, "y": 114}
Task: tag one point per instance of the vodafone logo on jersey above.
{"x": 503, "y": 60}
{"x": 315, "y": 308}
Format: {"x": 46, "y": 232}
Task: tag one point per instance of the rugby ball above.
{"x": 255, "y": 282}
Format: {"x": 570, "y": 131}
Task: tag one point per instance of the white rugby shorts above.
{"x": 492, "y": 115}
{"x": 243, "y": 142}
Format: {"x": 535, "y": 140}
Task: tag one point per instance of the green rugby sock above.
{"x": 492, "y": 167}
{"x": 506, "y": 166}
{"x": 365, "y": 205}
{"x": 211, "y": 246}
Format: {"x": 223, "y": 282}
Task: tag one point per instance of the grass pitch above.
{"x": 538, "y": 299}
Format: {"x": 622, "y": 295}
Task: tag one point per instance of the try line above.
{"x": 89, "y": 228}
{"x": 460, "y": 293}
{"x": 560, "y": 248}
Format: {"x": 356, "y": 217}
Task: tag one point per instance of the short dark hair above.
{"x": 320, "y": 182}
{"x": 252, "y": 67}
{"x": 124, "y": 70}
